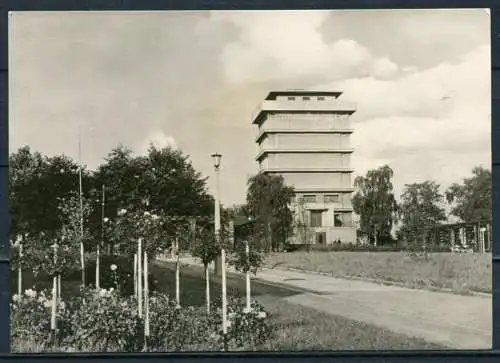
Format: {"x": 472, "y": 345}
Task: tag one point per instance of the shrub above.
{"x": 248, "y": 329}
{"x": 104, "y": 320}
{"x": 173, "y": 328}
{"x": 30, "y": 316}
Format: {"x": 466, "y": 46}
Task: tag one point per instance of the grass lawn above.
{"x": 295, "y": 327}
{"x": 461, "y": 273}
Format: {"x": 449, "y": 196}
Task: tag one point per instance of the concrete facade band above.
{"x": 305, "y": 136}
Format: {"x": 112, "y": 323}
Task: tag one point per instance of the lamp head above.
{"x": 216, "y": 159}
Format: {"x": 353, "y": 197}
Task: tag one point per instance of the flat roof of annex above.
{"x": 274, "y": 94}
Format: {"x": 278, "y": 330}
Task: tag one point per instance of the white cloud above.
{"x": 290, "y": 44}
{"x": 433, "y": 124}
{"x": 159, "y": 140}
{"x": 426, "y": 124}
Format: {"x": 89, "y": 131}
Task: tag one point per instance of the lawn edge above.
{"x": 385, "y": 282}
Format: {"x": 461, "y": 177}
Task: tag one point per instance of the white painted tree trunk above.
{"x": 20, "y": 271}
{"x": 247, "y": 251}
{"x": 178, "y": 282}
{"x": 207, "y": 288}
{"x": 146, "y": 298}
{"x": 97, "y": 267}
{"x": 59, "y": 289}
{"x": 135, "y": 276}
{"x": 54, "y": 305}
{"x": 139, "y": 280}
{"x": 224, "y": 292}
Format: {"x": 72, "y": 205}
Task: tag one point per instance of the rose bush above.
{"x": 247, "y": 329}
{"x": 128, "y": 226}
{"x": 103, "y": 319}
{"x": 122, "y": 278}
{"x": 30, "y": 316}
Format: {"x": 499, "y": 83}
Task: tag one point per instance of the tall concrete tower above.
{"x": 305, "y": 137}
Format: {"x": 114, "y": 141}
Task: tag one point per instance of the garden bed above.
{"x": 291, "y": 327}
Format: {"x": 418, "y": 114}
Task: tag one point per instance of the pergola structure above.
{"x": 475, "y": 235}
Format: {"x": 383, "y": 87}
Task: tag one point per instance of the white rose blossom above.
{"x": 30, "y": 292}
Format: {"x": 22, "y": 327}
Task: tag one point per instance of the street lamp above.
{"x": 217, "y": 161}
{"x": 222, "y": 264}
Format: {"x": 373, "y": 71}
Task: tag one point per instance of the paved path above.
{"x": 455, "y": 321}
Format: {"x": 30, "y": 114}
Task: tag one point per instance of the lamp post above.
{"x": 217, "y": 161}
{"x": 101, "y": 243}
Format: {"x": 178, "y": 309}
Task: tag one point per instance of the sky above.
{"x": 191, "y": 80}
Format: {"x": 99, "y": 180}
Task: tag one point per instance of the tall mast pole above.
{"x": 80, "y": 184}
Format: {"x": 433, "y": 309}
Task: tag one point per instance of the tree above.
{"x": 420, "y": 211}
{"x": 268, "y": 200}
{"x": 72, "y": 213}
{"x": 375, "y": 203}
{"x": 163, "y": 182}
{"x": 35, "y": 184}
{"x": 471, "y": 200}
{"x": 302, "y": 224}
{"x": 207, "y": 250}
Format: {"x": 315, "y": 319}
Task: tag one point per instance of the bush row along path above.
{"x": 455, "y": 321}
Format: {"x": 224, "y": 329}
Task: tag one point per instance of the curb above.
{"x": 386, "y": 283}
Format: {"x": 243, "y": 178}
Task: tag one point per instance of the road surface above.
{"x": 455, "y": 321}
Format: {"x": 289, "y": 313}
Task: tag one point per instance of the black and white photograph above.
{"x": 223, "y": 181}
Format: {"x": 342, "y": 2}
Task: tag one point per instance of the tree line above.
{"x": 420, "y": 208}
{"x": 164, "y": 180}
{"x": 421, "y": 205}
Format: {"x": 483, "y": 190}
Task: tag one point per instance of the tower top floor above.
{"x": 302, "y": 101}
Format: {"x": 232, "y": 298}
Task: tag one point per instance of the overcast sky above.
{"x": 421, "y": 81}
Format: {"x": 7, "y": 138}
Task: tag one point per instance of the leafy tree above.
{"x": 24, "y": 167}
{"x": 375, "y": 203}
{"x": 56, "y": 253}
{"x": 302, "y": 224}
{"x": 243, "y": 262}
{"x": 268, "y": 200}
{"x": 125, "y": 230}
{"x": 421, "y": 210}
{"x": 35, "y": 184}
{"x": 207, "y": 250}
{"x": 471, "y": 200}
{"x": 72, "y": 235}
{"x": 164, "y": 182}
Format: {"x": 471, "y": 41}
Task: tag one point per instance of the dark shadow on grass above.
{"x": 192, "y": 282}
